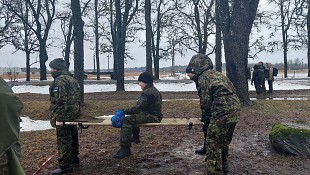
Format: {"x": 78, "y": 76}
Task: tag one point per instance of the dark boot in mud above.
{"x": 122, "y": 153}
{"x": 62, "y": 170}
{"x": 201, "y": 151}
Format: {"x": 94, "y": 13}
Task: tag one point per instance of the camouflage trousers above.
{"x": 10, "y": 163}
{"x": 219, "y": 136}
{"x": 67, "y": 144}
{"x": 132, "y": 120}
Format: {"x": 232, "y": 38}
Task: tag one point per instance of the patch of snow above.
{"x": 28, "y": 124}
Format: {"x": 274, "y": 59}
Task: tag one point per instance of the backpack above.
{"x": 275, "y": 72}
{"x": 260, "y": 75}
{"x": 117, "y": 119}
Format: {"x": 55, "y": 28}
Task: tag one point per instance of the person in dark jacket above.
{"x": 262, "y": 68}
{"x": 219, "y": 102}
{"x": 205, "y": 119}
{"x": 10, "y": 148}
{"x": 65, "y": 106}
{"x": 258, "y": 78}
{"x": 147, "y": 110}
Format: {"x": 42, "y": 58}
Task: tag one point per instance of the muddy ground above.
{"x": 169, "y": 149}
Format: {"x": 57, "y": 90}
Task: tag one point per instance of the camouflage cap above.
{"x": 200, "y": 63}
{"x": 58, "y": 64}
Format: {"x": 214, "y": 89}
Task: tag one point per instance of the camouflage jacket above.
{"x": 150, "y": 102}
{"x": 216, "y": 92}
{"x": 64, "y": 96}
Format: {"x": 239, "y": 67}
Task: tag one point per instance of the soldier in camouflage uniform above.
{"x": 219, "y": 101}
{"x": 65, "y": 106}
{"x": 10, "y": 148}
{"x": 147, "y": 110}
{"x": 205, "y": 119}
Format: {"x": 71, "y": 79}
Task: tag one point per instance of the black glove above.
{"x": 205, "y": 119}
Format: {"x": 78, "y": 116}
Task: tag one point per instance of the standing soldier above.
{"x": 219, "y": 101}
{"x": 10, "y": 149}
{"x": 65, "y": 106}
{"x": 205, "y": 119}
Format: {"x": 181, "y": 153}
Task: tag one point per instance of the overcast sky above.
{"x": 17, "y": 59}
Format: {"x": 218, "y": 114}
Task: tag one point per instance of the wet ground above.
{"x": 169, "y": 149}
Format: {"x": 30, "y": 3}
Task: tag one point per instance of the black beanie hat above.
{"x": 146, "y": 77}
{"x": 58, "y": 64}
{"x": 190, "y": 70}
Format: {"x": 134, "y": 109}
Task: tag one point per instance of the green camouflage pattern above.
{"x": 148, "y": 109}
{"x": 219, "y": 136}
{"x": 65, "y": 106}
{"x": 218, "y": 99}
{"x": 216, "y": 92}
{"x": 67, "y": 144}
{"x": 64, "y": 97}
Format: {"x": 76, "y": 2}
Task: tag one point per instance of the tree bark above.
{"x": 308, "y": 30}
{"x": 218, "y": 40}
{"x": 236, "y": 29}
{"x": 97, "y": 40}
{"x": 148, "y": 33}
{"x": 78, "y": 33}
{"x": 158, "y": 34}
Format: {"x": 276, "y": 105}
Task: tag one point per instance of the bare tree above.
{"x": 199, "y": 24}
{"x": 78, "y": 33}
{"x": 119, "y": 31}
{"x": 218, "y": 40}
{"x": 288, "y": 12}
{"x": 43, "y": 14}
{"x": 7, "y": 20}
{"x": 236, "y": 25}
{"x": 148, "y": 38}
{"x": 308, "y": 37}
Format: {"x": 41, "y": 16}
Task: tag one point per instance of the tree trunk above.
{"x": 97, "y": 40}
{"x": 26, "y": 43}
{"x": 284, "y": 38}
{"x": 218, "y": 41}
{"x": 148, "y": 33}
{"x": 118, "y": 57}
{"x": 156, "y": 49}
{"x": 78, "y": 32}
{"x": 27, "y": 65}
{"x": 68, "y": 44}
{"x": 198, "y": 29}
{"x": 308, "y": 29}
{"x": 43, "y": 58}
{"x": 236, "y": 30}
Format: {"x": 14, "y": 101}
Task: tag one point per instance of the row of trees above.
{"x": 165, "y": 28}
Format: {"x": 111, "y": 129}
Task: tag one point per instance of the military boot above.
{"x": 62, "y": 170}
{"x": 135, "y": 135}
{"x": 225, "y": 168}
{"x": 76, "y": 160}
{"x": 201, "y": 151}
{"x": 122, "y": 153}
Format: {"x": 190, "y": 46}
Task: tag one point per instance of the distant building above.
{"x": 32, "y": 70}
{"x": 10, "y": 70}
